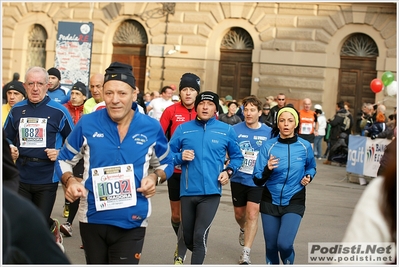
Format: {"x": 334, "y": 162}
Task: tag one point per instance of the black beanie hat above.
{"x": 211, "y": 96}
{"x": 15, "y": 85}
{"x": 120, "y": 72}
{"x": 55, "y": 72}
{"x": 190, "y": 80}
{"x": 81, "y": 87}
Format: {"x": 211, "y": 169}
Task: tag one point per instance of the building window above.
{"x": 37, "y": 46}
{"x": 237, "y": 38}
{"x": 359, "y": 45}
{"x": 130, "y": 32}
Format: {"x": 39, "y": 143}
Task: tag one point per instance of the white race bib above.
{"x": 32, "y": 132}
{"x": 306, "y": 128}
{"x": 249, "y": 161}
{"x": 114, "y": 187}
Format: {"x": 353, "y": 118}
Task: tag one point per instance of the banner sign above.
{"x": 364, "y": 154}
{"x": 73, "y": 52}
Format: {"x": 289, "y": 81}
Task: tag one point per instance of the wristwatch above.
{"x": 229, "y": 171}
{"x": 159, "y": 179}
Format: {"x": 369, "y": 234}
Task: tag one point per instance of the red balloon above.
{"x": 376, "y": 85}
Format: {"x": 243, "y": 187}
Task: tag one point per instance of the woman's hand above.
{"x": 272, "y": 163}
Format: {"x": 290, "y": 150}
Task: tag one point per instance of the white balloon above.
{"x": 392, "y": 88}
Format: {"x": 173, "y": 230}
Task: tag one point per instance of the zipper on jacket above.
{"x": 286, "y": 178}
{"x": 187, "y": 177}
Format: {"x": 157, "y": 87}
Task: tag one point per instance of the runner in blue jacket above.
{"x": 119, "y": 145}
{"x": 200, "y": 147}
{"x": 285, "y": 165}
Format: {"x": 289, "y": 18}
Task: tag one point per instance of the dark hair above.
{"x": 232, "y": 102}
{"x": 392, "y": 117}
{"x": 318, "y": 111}
{"x": 341, "y": 104}
{"x": 163, "y": 90}
{"x": 252, "y": 100}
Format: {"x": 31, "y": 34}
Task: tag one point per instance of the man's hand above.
{"x": 223, "y": 178}
{"x": 14, "y": 152}
{"x": 52, "y": 153}
{"x": 74, "y": 190}
{"x": 147, "y": 187}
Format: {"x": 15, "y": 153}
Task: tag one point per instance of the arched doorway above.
{"x": 235, "y": 66}
{"x": 358, "y": 68}
{"x": 129, "y": 43}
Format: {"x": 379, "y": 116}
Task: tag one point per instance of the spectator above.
{"x": 271, "y": 101}
{"x": 377, "y": 127}
{"x": 281, "y": 102}
{"x": 389, "y": 131}
{"x": 55, "y": 90}
{"x": 158, "y": 105}
{"x": 347, "y": 108}
{"x": 336, "y": 128}
{"x": 147, "y": 99}
{"x": 321, "y": 131}
{"x": 201, "y": 155}
{"x": 285, "y": 166}
{"x": 15, "y": 92}
{"x": 230, "y": 117}
{"x": 118, "y": 129}
{"x": 266, "y": 116}
{"x": 366, "y": 119}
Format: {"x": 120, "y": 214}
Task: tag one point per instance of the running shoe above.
{"x": 66, "y": 229}
{"x": 244, "y": 258}
{"x": 178, "y": 261}
{"x": 66, "y": 211}
{"x": 241, "y": 237}
{"x": 176, "y": 252}
{"x": 55, "y": 230}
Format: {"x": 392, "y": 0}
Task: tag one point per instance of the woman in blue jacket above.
{"x": 284, "y": 167}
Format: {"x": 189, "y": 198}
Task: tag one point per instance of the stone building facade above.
{"x": 325, "y": 51}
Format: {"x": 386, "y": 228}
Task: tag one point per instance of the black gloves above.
{"x": 265, "y": 175}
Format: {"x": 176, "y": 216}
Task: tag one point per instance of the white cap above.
{"x": 317, "y": 106}
{"x": 175, "y": 98}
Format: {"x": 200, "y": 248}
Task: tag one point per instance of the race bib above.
{"x": 249, "y": 161}
{"x": 32, "y": 132}
{"x": 306, "y": 128}
{"x": 114, "y": 187}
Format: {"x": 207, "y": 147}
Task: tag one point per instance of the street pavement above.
{"x": 330, "y": 201}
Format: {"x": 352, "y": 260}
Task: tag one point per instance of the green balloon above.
{"x": 387, "y": 78}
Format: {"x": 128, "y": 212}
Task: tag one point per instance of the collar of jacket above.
{"x": 288, "y": 141}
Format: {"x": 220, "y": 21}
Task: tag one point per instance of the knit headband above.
{"x": 290, "y": 110}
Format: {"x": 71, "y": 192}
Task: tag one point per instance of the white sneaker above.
{"x": 244, "y": 258}
{"x": 241, "y": 237}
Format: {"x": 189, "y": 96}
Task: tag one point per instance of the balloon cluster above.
{"x": 388, "y": 81}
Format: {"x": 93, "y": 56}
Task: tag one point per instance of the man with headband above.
{"x": 116, "y": 184}
{"x": 200, "y": 147}
{"x": 285, "y": 166}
